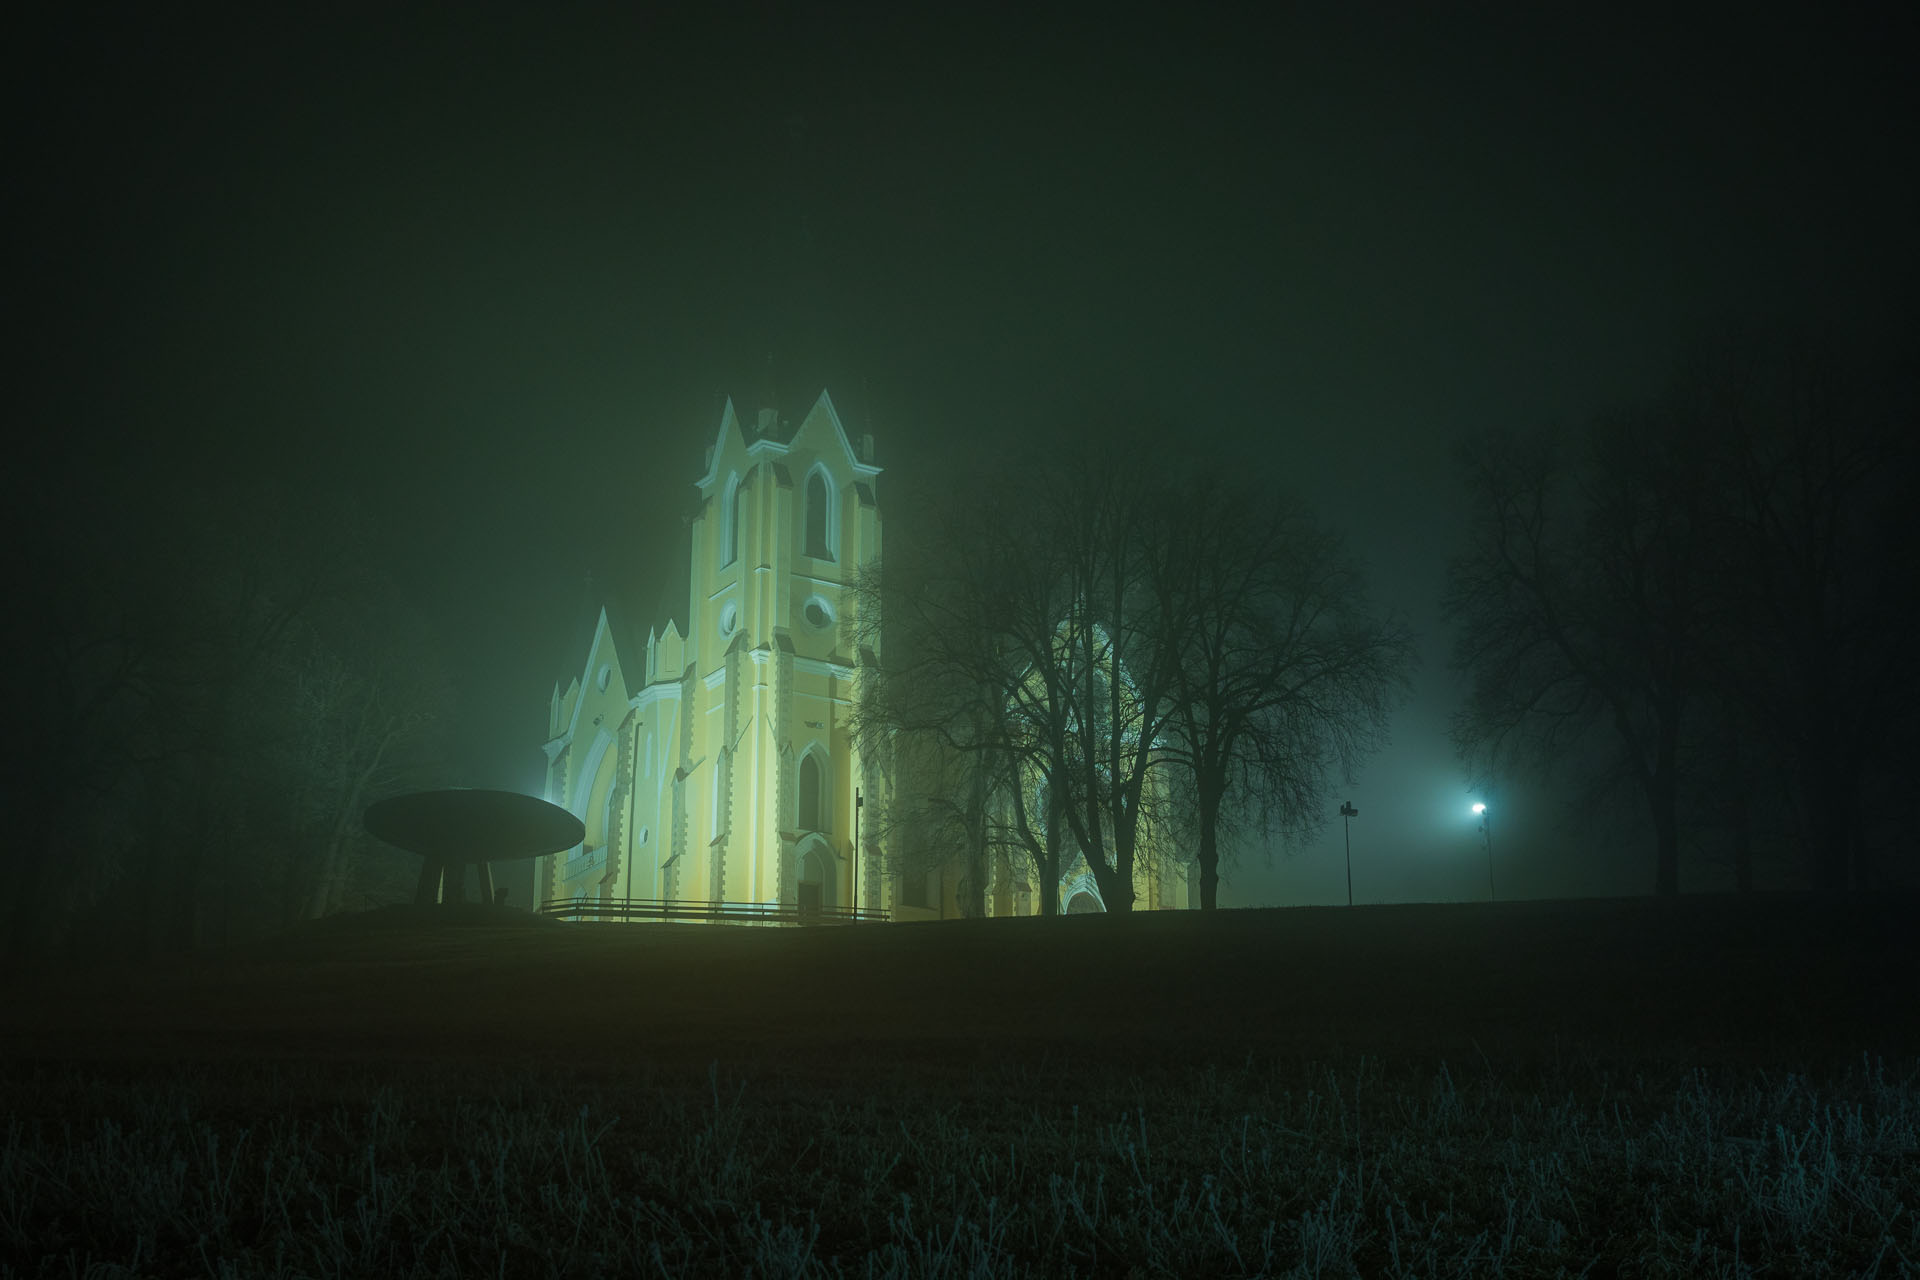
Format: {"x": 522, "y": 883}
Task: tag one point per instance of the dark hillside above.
{"x": 1704, "y": 979}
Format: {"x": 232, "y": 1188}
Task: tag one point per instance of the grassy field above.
{"x": 1704, "y": 1087}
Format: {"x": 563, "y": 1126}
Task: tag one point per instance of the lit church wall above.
{"x": 717, "y": 764}
{"x": 700, "y": 800}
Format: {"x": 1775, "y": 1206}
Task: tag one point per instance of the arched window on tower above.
{"x": 729, "y": 522}
{"x": 813, "y": 794}
{"x": 819, "y": 516}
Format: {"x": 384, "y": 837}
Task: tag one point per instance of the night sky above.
{"x": 494, "y": 272}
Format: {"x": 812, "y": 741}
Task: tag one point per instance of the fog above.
{"x": 491, "y": 277}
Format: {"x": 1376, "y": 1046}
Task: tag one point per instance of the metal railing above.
{"x": 600, "y": 909}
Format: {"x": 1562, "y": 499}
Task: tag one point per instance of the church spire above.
{"x": 766, "y": 420}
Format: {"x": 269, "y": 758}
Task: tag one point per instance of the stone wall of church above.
{"x": 759, "y": 680}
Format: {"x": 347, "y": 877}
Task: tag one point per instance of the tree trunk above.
{"x": 37, "y": 848}
{"x": 1207, "y": 861}
{"x": 1115, "y": 883}
{"x": 1664, "y": 796}
{"x": 1119, "y": 899}
{"x": 1835, "y": 835}
{"x": 1830, "y": 804}
{"x": 1208, "y": 855}
{"x": 183, "y": 887}
{"x": 1666, "y": 875}
{"x": 153, "y": 876}
{"x": 1047, "y": 866}
{"x": 974, "y": 905}
{"x": 1666, "y": 827}
{"x": 1742, "y": 846}
{"x": 1049, "y": 889}
{"x": 326, "y": 891}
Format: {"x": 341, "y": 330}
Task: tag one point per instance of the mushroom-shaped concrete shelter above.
{"x": 449, "y": 829}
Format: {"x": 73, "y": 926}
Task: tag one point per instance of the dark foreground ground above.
{"x": 1706, "y": 1087}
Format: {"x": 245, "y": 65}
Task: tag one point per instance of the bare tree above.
{"x": 1087, "y": 630}
{"x": 1284, "y": 675}
{"x": 364, "y": 715}
{"x": 220, "y": 677}
{"x": 1578, "y": 603}
{"x": 84, "y": 624}
{"x": 1097, "y": 653}
{"x": 1814, "y": 605}
{"x": 939, "y": 711}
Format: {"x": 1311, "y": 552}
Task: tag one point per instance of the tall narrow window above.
{"x": 812, "y": 794}
{"x": 819, "y": 516}
{"x": 739, "y": 523}
{"x": 730, "y": 522}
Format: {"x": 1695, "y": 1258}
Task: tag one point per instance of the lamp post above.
{"x": 858, "y": 803}
{"x": 1347, "y": 814}
{"x": 1486, "y": 829}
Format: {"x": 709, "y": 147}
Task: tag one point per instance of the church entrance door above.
{"x": 809, "y": 899}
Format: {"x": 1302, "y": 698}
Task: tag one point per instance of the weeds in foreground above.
{"x": 1274, "y": 1168}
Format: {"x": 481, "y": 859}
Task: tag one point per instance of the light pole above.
{"x": 1347, "y": 814}
{"x": 1486, "y": 829}
{"x": 858, "y": 804}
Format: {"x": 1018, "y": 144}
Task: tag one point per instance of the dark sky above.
{"x": 493, "y": 270}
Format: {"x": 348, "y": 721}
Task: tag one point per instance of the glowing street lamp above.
{"x": 1486, "y": 829}
{"x": 1347, "y": 814}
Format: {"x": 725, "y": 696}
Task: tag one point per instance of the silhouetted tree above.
{"x": 1101, "y": 656}
{"x": 1083, "y": 631}
{"x": 1722, "y": 580}
{"x": 1814, "y": 594}
{"x": 1578, "y": 602}
{"x": 939, "y": 710}
{"x": 1283, "y": 673}
{"x": 221, "y": 677}
{"x": 85, "y": 620}
{"x": 365, "y": 696}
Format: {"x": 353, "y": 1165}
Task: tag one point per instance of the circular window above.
{"x": 729, "y": 619}
{"x": 817, "y": 612}
{"x": 601, "y": 679}
{"x": 643, "y": 836}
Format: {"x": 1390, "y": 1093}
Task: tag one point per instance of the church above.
{"x": 719, "y": 766}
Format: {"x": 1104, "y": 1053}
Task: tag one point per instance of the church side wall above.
{"x": 701, "y": 798}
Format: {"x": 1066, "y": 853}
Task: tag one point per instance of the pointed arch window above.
{"x": 730, "y": 522}
{"x": 813, "y": 793}
{"x": 821, "y": 513}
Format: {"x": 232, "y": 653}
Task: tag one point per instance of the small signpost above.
{"x": 1348, "y": 813}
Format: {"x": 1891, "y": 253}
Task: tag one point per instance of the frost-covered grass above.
{"x": 1097, "y": 1164}
{"x": 1693, "y": 1088}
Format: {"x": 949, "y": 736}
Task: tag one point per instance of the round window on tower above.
{"x": 817, "y": 612}
{"x": 606, "y": 673}
{"x": 729, "y": 619}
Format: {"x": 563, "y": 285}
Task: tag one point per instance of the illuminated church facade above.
{"x": 720, "y": 765}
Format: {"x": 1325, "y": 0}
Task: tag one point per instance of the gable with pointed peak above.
{"x": 729, "y": 431}
{"x": 821, "y": 424}
{"x": 734, "y": 443}
{"x": 606, "y": 653}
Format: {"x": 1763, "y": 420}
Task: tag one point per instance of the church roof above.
{"x": 629, "y": 647}
{"x": 768, "y": 430}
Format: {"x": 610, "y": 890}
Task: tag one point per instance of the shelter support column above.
{"x": 427, "y": 892}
